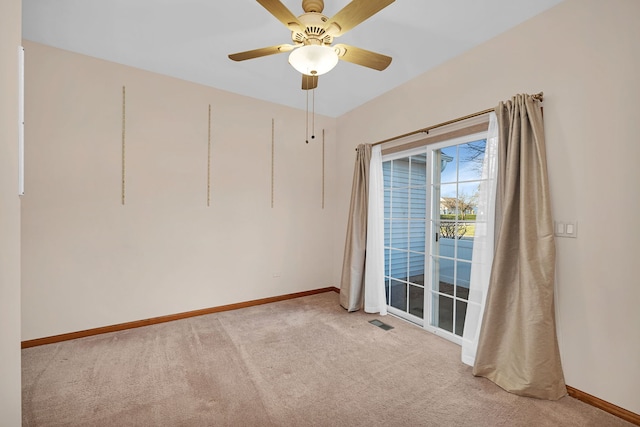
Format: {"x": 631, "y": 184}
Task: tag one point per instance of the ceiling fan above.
{"x": 312, "y": 34}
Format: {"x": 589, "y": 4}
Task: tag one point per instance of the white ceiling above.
{"x": 190, "y": 40}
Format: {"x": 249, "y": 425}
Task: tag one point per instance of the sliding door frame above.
{"x": 432, "y": 218}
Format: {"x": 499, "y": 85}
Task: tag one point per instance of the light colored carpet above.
{"x": 302, "y": 362}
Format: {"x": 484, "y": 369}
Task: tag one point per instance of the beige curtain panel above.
{"x": 352, "y": 281}
{"x": 518, "y": 347}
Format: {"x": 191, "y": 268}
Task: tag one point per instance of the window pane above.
{"x": 386, "y": 261}
{"x": 471, "y": 157}
{"x": 465, "y": 247}
{"x": 445, "y": 288}
{"x": 463, "y": 276}
{"x": 398, "y": 264}
{"x": 443, "y": 275}
{"x": 399, "y": 237}
{"x": 400, "y": 203}
{"x": 386, "y": 174}
{"x": 450, "y": 231}
{"x": 417, "y": 235}
{"x": 461, "y": 313}
{"x": 387, "y": 233}
{"x": 387, "y": 203}
{"x": 448, "y": 201}
{"x": 416, "y": 301}
{"x": 418, "y": 170}
{"x": 400, "y": 173}
{"x": 468, "y": 200}
{"x": 418, "y": 202}
{"x": 416, "y": 268}
{"x": 442, "y": 312}
{"x": 448, "y": 164}
{"x": 398, "y": 295}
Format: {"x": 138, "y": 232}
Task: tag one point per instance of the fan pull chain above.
{"x": 313, "y": 114}
{"x": 307, "y": 121}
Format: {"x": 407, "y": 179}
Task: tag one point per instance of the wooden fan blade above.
{"x": 265, "y": 51}
{"x": 353, "y": 14}
{"x": 282, "y": 14}
{"x": 309, "y": 82}
{"x": 363, "y": 57}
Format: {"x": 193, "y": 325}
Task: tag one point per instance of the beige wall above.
{"x": 89, "y": 261}
{"x": 585, "y": 56}
{"x": 10, "y": 393}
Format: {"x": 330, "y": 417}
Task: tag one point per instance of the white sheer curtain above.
{"x": 374, "y": 293}
{"x": 483, "y": 244}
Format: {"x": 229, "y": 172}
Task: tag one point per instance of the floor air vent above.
{"x": 380, "y": 325}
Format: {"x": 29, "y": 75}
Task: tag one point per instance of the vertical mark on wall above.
{"x": 123, "y": 141}
{"x": 322, "y": 168}
{"x": 209, "y": 160}
{"x": 20, "y": 121}
{"x": 273, "y": 155}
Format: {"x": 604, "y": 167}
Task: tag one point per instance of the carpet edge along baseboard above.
{"x": 573, "y": 392}
{"x": 168, "y": 318}
{"x": 594, "y": 401}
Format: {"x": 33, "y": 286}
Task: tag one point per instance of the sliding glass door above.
{"x": 405, "y": 191}
{"x": 430, "y": 211}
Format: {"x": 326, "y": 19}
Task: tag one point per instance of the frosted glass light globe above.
{"x": 313, "y": 60}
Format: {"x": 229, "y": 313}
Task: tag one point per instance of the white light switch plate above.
{"x": 566, "y": 229}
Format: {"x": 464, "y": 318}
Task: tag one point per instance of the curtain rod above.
{"x": 537, "y": 96}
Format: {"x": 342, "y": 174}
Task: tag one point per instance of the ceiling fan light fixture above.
{"x": 313, "y": 60}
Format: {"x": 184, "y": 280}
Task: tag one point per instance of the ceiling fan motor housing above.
{"x": 313, "y": 6}
{"x": 315, "y": 33}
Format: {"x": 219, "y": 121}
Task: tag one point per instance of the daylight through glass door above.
{"x": 405, "y": 208}
{"x": 430, "y": 211}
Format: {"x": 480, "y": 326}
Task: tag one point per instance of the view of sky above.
{"x": 465, "y": 165}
